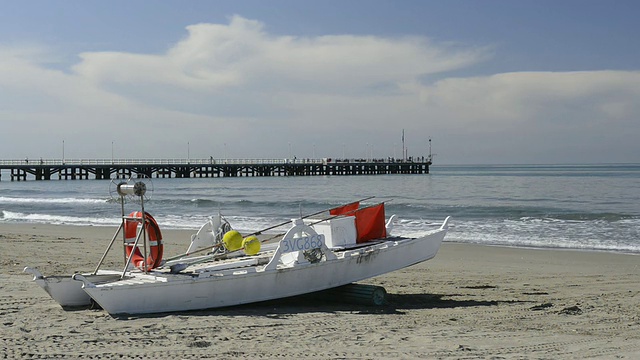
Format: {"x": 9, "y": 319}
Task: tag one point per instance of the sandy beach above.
{"x": 471, "y": 302}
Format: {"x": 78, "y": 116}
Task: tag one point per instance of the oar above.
{"x": 266, "y": 229}
{"x": 348, "y": 212}
{"x": 310, "y": 215}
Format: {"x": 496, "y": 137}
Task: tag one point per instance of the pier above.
{"x": 100, "y": 169}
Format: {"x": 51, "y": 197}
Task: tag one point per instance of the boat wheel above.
{"x": 313, "y": 256}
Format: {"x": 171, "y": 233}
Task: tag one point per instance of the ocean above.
{"x": 588, "y": 207}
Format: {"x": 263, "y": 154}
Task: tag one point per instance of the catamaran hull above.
{"x": 158, "y": 292}
{"x": 66, "y": 291}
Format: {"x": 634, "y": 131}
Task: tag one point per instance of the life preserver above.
{"x": 154, "y": 239}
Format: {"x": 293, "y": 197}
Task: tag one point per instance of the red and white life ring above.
{"x": 154, "y": 239}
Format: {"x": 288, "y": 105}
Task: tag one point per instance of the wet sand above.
{"x": 470, "y": 302}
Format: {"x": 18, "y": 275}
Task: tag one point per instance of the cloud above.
{"x": 530, "y": 95}
{"x": 237, "y": 89}
{"x": 241, "y": 57}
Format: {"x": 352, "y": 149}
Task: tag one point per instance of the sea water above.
{"x": 591, "y": 207}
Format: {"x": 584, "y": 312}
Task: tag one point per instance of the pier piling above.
{"x": 21, "y": 170}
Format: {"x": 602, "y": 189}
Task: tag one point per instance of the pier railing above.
{"x": 50, "y": 162}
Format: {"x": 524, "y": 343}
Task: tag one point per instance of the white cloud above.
{"x": 242, "y": 55}
{"x": 532, "y": 95}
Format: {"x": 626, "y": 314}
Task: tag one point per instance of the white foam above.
{"x": 10, "y": 216}
{"x": 523, "y": 232}
{"x": 10, "y": 200}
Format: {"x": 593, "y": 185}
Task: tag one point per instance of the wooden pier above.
{"x": 22, "y": 170}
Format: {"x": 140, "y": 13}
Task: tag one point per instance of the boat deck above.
{"x": 240, "y": 265}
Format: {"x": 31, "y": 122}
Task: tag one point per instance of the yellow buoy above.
{"x": 232, "y": 240}
{"x": 251, "y": 245}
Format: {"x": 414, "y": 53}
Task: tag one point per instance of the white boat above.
{"x": 312, "y": 255}
{"x": 69, "y": 294}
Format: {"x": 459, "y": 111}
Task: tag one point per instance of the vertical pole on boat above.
{"x": 124, "y": 235}
{"x": 144, "y": 233}
{"x": 130, "y": 257}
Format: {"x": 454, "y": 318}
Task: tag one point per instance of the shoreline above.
{"x": 524, "y": 247}
{"x": 21, "y": 227}
{"x": 470, "y": 301}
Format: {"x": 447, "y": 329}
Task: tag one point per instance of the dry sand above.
{"x": 471, "y": 302}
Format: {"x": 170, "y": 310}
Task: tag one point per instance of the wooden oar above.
{"x": 266, "y": 229}
{"x": 348, "y": 212}
{"x": 310, "y": 215}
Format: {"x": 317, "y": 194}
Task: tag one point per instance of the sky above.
{"x": 489, "y": 82}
